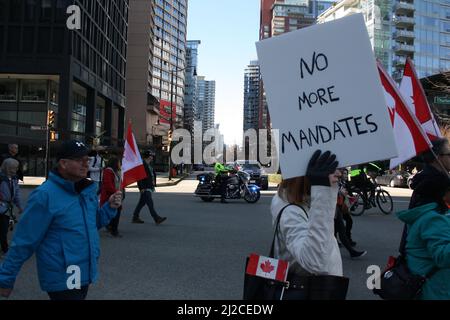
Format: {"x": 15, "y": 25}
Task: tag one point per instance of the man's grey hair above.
{"x": 11, "y": 145}
{"x": 8, "y": 163}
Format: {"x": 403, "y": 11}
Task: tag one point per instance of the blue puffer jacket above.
{"x": 61, "y": 226}
{"x": 428, "y": 246}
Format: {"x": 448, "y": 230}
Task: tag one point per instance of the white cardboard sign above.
{"x": 324, "y": 92}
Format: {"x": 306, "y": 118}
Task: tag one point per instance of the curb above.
{"x": 165, "y": 184}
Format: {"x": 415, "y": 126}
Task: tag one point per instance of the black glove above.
{"x": 320, "y": 167}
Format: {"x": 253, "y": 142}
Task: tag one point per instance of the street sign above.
{"x": 36, "y": 128}
{"x": 442, "y": 100}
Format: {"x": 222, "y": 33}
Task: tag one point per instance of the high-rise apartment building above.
{"x": 190, "y": 92}
{"x": 169, "y": 62}
{"x": 278, "y": 17}
{"x": 79, "y": 74}
{"x": 206, "y": 102}
{"x": 143, "y": 107}
{"x": 398, "y": 29}
{"x": 252, "y": 81}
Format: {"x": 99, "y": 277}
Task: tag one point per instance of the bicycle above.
{"x": 359, "y": 203}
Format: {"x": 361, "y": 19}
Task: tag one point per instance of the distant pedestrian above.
{"x": 13, "y": 152}
{"x": 9, "y": 196}
{"x": 96, "y": 166}
{"x": 146, "y": 188}
{"x": 110, "y": 185}
{"x": 343, "y": 230}
{"x": 60, "y": 224}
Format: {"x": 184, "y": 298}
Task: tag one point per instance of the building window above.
{"x": 54, "y": 93}
{"x": 8, "y": 90}
{"x": 78, "y": 112}
{"x": 34, "y": 90}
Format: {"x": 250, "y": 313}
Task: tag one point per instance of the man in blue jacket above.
{"x": 60, "y": 224}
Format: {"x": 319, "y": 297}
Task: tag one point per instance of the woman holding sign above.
{"x": 306, "y": 231}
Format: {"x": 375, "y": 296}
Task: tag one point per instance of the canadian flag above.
{"x": 412, "y": 91}
{"x": 410, "y": 138}
{"x": 268, "y": 268}
{"x": 133, "y": 169}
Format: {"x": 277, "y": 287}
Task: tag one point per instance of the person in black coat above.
{"x": 147, "y": 187}
{"x": 435, "y": 170}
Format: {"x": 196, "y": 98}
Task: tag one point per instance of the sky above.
{"x": 228, "y": 31}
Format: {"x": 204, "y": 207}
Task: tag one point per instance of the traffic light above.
{"x": 51, "y": 118}
{"x": 53, "y": 136}
{"x": 166, "y": 148}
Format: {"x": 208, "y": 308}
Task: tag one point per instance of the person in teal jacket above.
{"x": 60, "y": 224}
{"x": 428, "y": 237}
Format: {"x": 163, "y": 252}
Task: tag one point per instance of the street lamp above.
{"x": 174, "y": 70}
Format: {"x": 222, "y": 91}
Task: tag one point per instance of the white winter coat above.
{"x": 309, "y": 243}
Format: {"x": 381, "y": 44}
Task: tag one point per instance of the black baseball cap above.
{"x": 72, "y": 149}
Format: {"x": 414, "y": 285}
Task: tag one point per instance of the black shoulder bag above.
{"x": 397, "y": 282}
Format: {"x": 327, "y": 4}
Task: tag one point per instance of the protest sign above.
{"x": 324, "y": 92}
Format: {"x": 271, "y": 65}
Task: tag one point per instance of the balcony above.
{"x": 403, "y": 48}
{"x": 399, "y": 61}
{"x": 403, "y": 21}
{"x": 404, "y": 35}
{"x": 402, "y": 7}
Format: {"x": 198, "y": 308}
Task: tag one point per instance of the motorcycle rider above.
{"x": 222, "y": 178}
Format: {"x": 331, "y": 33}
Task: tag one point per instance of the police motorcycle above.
{"x": 238, "y": 187}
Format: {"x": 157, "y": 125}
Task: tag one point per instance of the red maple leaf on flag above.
{"x": 267, "y": 267}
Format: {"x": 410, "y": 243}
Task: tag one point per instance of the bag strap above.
{"x": 275, "y": 235}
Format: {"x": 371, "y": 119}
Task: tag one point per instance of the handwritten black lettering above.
{"x": 337, "y": 129}
{"x": 315, "y": 64}
{"x": 348, "y": 126}
{"x": 375, "y": 127}
{"x": 314, "y": 97}
{"x": 289, "y": 138}
{"x": 358, "y": 124}
{"x": 322, "y": 134}
{"x": 304, "y": 137}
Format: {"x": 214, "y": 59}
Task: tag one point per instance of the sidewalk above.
{"x": 162, "y": 180}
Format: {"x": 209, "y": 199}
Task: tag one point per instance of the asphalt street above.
{"x": 200, "y": 251}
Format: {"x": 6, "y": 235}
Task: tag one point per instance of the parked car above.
{"x": 257, "y": 174}
{"x": 394, "y": 179}
{"x": 198, "y": 167}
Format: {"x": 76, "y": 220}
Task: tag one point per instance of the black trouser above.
{"x": 145, "y": 199}
{"x": 339, "y": 227}
{"x": 348, "y": 224}
{"x": 4, "y": 227}
{"x": 75, "y": 294}
{"x": 223, "y": 179}
{"x": 114, "y": 224}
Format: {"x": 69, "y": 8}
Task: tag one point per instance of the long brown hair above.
{"x": 295, "y": 190}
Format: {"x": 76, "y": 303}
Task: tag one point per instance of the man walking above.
{"x": 60, "y": 224}
{"x": 146, "y": 187}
